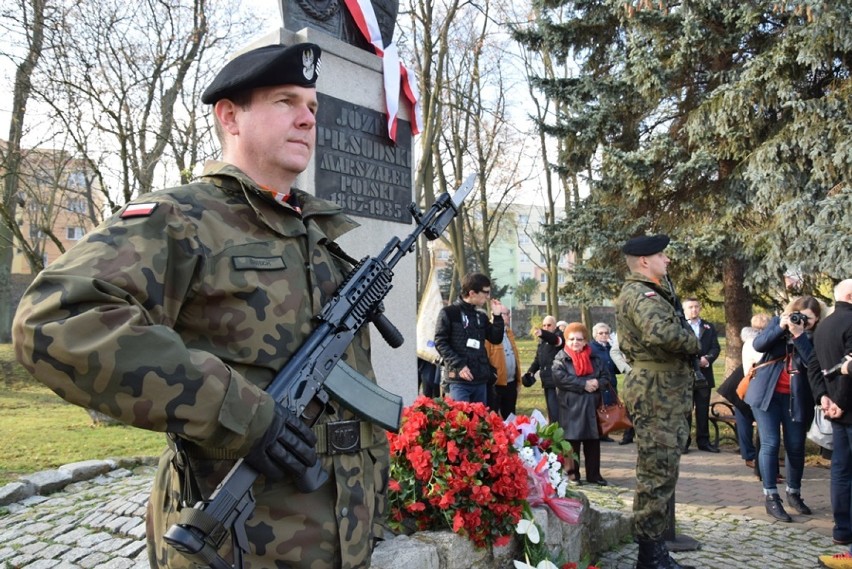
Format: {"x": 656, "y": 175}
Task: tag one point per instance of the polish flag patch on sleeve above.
{"x": 138, "y": 210}
{"x": 650, "y": 294}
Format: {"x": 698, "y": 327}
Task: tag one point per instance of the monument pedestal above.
{"x": 357, "y": 166}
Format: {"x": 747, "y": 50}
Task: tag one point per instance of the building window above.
{"x": 75, "y": 233}
{"x": 543, "y": 297}
{"x": 561, "y": 278}
{"x": 523, "y": 220}
{"x": 77, "y": 180}
{"x": 524, "y": 239}
{"x": 526, "y": 276}
{"x": 78, "y": 205}
{"x": 524, "y": 258}
{"x": 543, "y": 278}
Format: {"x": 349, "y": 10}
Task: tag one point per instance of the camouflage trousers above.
{"x": 658, "y": 410}
{"x": 333, "y": 527}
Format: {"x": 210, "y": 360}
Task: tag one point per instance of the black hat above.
{"x": 264, "y": 67}
{"x": 645, "y": 245}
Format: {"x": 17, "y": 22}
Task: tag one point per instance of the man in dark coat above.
{"x": 460, "y": 336}
{"x": 549, "y": 344}
{"x": 710, "y": 350}
{"x": 832, "y": 389}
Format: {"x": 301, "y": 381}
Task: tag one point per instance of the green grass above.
{"x": 39, "y": 431}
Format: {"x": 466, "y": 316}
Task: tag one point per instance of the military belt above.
{"x": 341, "y": 437}
{"x": 660, "y": 366}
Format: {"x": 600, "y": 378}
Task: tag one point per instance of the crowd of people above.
{"x": 666, "y": 351}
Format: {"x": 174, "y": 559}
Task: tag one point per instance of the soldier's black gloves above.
{"x": 528, "y": 379}
{"x": 287, "y": 448}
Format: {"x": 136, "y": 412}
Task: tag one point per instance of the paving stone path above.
{"x": 98, "y": 522}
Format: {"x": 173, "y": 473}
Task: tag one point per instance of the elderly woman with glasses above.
{"x": 580, "y": 374}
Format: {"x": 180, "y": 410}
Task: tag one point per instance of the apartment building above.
{"x": 516, "y": 257}
{"x": 57, "y": 203}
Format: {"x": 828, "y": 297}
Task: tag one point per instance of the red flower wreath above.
{"x": 453, "y": 466}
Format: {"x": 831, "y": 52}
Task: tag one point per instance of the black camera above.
{"x": 799, "y": 319}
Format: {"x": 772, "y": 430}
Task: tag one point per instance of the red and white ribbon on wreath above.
{"x": 395, "y": 73}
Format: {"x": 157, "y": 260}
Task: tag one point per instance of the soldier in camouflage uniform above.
{"x": 177, "y": 312}
{"x": 657, "y": 390}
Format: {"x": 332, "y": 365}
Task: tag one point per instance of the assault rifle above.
{"x": 693, "y": 360}
{"x": 304, "y": 385}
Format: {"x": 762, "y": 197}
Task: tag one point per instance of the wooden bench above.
{"x": 722, "y": 413}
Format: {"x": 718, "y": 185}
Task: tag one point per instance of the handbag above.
{"x": 613, "y": 417}
{"x": 820, "y": 431}
{"x": 742, "y": 388}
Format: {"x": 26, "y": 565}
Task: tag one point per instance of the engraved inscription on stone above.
{"x": 358, "y": 166}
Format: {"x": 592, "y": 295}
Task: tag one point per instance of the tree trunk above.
{"x": 738, "y": 303}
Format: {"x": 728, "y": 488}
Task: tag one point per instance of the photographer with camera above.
{"x": 780, "y": 397}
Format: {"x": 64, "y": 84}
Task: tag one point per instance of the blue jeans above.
{"x": 745, "y": 435}
{"x": 471, "y": 392}
{"x": 841, "y": 481}
{"x": 769, "y": 425}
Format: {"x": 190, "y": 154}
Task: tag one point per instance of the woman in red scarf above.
{"x": 579, "y": 376}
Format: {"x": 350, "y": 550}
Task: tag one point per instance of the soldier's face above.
{"x": 277, "y": 131}
{"x": 657, "y": 264}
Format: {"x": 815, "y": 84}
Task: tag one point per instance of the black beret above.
{"x": 645, "y": 245}
{"x": 265, "y": 67}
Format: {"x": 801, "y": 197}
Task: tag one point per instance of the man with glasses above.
{"x": 460, "y": 335}
{"x": 549, "y": 344}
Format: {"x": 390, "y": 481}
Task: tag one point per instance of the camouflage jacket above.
{"x": 649, "y": 328}
{"x": 175, "y": 319}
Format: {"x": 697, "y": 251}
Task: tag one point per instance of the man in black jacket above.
{"x": 460, "y": 336}
{"x": 710, "y": 350}
{"x": 549, "y": 344}
{"x": 832, "y": 388}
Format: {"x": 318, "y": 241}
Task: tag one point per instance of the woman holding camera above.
{"x": 781, "y": 399}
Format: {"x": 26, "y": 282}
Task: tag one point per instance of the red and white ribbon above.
{"x": 395, "y": 73}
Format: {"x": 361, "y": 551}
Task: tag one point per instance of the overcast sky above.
{"x": 266, "y": 10}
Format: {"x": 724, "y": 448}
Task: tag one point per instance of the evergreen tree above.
{"x": 723, "y": 123}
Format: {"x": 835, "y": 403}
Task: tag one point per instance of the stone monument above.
{"x": 332, "y": 17}
{"x": 358, "y": 166}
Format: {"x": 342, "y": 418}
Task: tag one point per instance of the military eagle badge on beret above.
{"x": 309, "y": 69}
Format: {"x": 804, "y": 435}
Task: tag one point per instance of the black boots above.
{"x": 798, "y": 504}
{"x": 775, "y": 509}
{"x": 655, "y": 555}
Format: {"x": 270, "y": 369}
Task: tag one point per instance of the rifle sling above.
{"x": 196, "y": 518}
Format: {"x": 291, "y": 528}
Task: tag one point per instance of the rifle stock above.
{"x": 304, "y": 385}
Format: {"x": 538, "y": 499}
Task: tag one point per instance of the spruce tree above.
{"x": 725, "y": 124}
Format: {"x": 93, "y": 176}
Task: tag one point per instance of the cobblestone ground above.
{"x": 98, "y": 523}
{"x": 730, "y": 541}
